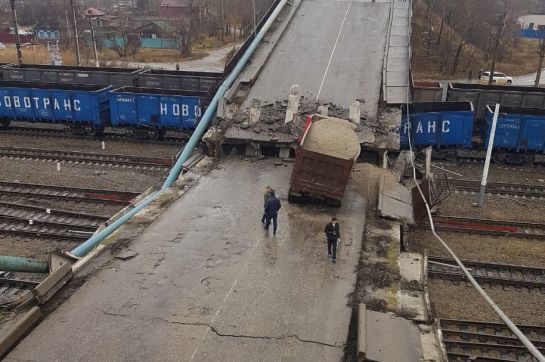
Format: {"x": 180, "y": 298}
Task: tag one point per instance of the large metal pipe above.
{"x": 89, "y": 244}
{"x": 208, "y": 116}
{"x": 23, "y": 265}
{"x": 211, "y": 110}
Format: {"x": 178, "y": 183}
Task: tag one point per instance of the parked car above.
{"x": 499, "y": 78}
{"x": 2, "y": 46}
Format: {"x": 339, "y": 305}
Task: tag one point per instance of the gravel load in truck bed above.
{"x": 334, "y": 137}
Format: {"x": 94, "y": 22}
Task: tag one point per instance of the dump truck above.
{"x": 324, "y": 159}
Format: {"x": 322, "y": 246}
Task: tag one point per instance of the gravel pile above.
{"x": 495, "y": 207}
{"x": 89, "y": 145}
{"x": 497, "y": 249}
{"x": 334, "y": 137}
{"x": 111, "y": 178}
{"x": 461, "y": 302}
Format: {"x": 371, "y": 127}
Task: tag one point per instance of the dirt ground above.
{"x": 38, "y": 54}
{"x": 498, "y": 249}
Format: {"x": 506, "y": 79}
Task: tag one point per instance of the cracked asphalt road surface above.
{"x": 334, "y": 50}
{"x": 206, "y": 283}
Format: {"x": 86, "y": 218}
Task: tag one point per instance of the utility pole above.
{"x": 498, "y": 37}
{"x": 76, "y": 36}
{"x": 253, "y": 5}
{"x": 488, "y": 155}
{"x": 222, "y": 22}
{"x": 93, "y": 38}
{"x": 16, "y": 26}
{"x": 541, "y": 56}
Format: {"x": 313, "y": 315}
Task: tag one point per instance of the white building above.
{"x": 532, "y": 22}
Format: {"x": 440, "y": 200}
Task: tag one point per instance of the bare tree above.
{"x": 124, "y": 41}
{"x": 185, "y": 37}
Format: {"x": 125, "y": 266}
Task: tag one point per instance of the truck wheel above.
{"x": 4, "y": 123}
{"x": 509, "y": 82}
{"x": 292, "y": 198}
{"x": 333, "y": 202}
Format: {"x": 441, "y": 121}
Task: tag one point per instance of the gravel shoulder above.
{"x": 497, "y": 173}
{"x": 495, "y": 207}
{"x": 496, "y": 249}
{"x": 87, "y": 176}
{"x": 461, "y": 302}
{"x": 90, "y": 145}
{"x": 32, "y": 247}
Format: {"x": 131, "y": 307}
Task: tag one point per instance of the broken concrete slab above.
{"x": 431, "y": 349}
{"x": 391, "y": 339}
{"x": 395, "y": 201}
{"x": 293, "y": 103}
{"x": 355, "y": 112}
{"x": 411, "y": 299}
{"x": 255, "y": 111}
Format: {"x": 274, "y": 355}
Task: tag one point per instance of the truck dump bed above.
{"x": 324, "y": 161}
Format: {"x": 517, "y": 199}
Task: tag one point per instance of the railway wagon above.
{"x": 117, "y": 77}
{"x": 426, "y": 92}
{"x": 84, "y": 108}
{"x": 149, "y": 113}
{"x": 520, "y": 134}
{"x": 482, "y": 95}
{"x": 206, "y": 82}
{"x": 437, "y": 124}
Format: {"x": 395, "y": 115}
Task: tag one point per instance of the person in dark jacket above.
{"x": 271, "y": 210}
{"x": 333, "y": 234}
{"x": 266, "y": 196}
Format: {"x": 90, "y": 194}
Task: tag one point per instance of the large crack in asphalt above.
{"x": 220, "y": 334}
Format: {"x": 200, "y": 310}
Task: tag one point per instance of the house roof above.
{"x": 180, "y": 3}
{"x": 94, "y": 12}
{"x": 164, "y": 25}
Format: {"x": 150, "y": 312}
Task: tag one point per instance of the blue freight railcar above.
{"x": 520, "y": 134}
{"x": 82, "y": 108}
{"x": 149, "y": 113}
{"x": 437, "y": 124}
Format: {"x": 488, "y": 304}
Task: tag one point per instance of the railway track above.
{"x": 86, "y": 157}
{"x": 497, "y": 188}
{"x": 21, "y": 226}
{"x": 54, "y": 192}
{"x": 12, "y": 290}
{"x": 484, "y": 341}
{"x": 492, "y": 275}
{"x": 26, "y": 212}
{"x": 490, "y": 227}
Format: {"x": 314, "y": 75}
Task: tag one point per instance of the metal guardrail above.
{"x": 234, "y": 60}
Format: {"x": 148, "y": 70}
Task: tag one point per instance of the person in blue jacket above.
{"x": 271, "y": 211}
{"x": 333, "y": 235}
